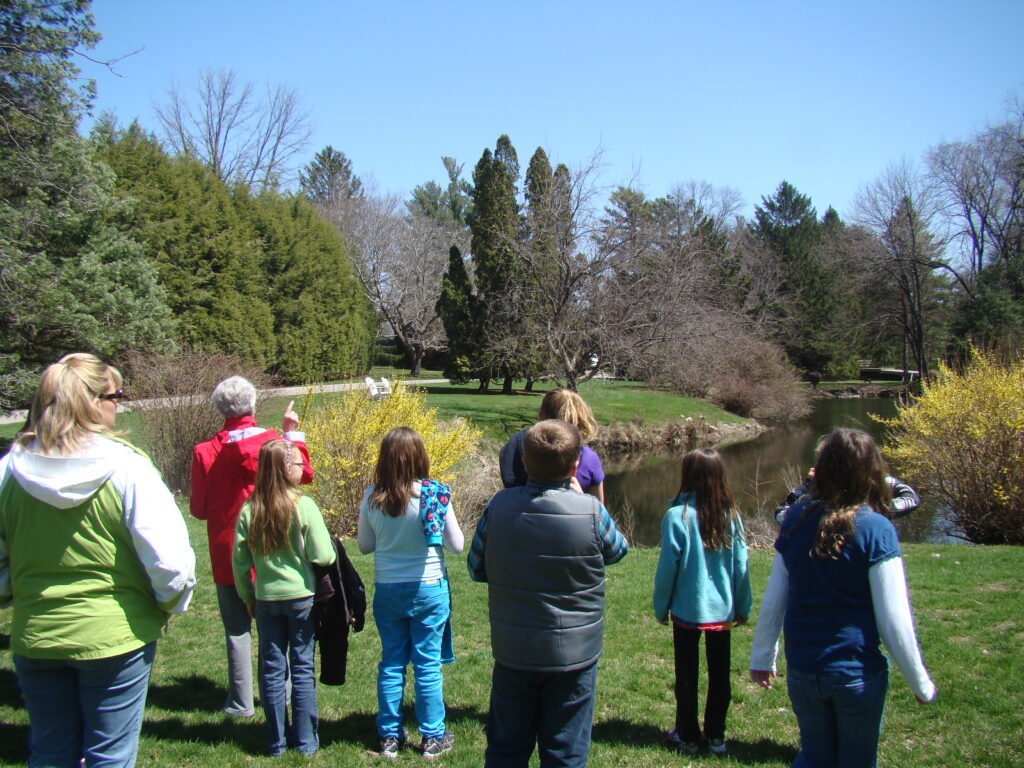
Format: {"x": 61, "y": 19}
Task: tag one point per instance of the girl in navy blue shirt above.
{"x": 837, "y": 590}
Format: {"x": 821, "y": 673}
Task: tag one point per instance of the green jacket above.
{"x": 284, "y": 574}
{"x": 94, "y": 553}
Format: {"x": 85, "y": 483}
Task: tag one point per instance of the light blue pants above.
{"x": 410, "y": 618}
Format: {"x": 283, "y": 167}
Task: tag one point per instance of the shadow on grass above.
{"x": 194, "y": 693}
{"x": 14, "y": 742}
{"x": 624, "y": 732}
{"x": 248, "y": 735}
{"x": 359, "y": 729}
{"x": 10, "y": 695}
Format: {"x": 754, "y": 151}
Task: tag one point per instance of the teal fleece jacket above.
{"x": 698, "y": 585}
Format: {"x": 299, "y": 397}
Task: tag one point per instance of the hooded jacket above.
{"x": 94, "y": 553}
{"x": 223, "y": 473}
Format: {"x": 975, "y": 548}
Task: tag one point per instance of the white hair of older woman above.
{"x": 234, "y": 397}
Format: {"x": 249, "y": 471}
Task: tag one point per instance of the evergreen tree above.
{"x": 323, "y": 325}
{"x": 787, "y": 224}
{"x": 74, "y": 278}
{"x": 198, "y": 233}
{"x": 495, "y": 228}
{"x": 328, "y": 178}
{"x": 459, "y": 311}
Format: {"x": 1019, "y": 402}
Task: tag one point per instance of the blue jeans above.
{"x": 555, "y": 710}
{"x": 410, "y": 618}
{"x": 286, "y": 640}
{"x": 840, "y": 718}
{"x": 91, "y": 709}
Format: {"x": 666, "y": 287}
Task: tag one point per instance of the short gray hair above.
{"x": 234, "y": 397}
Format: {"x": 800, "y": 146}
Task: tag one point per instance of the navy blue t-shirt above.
{"x": 830, "y": 622}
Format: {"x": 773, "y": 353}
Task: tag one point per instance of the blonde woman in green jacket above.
{"x": 280, "y": 535}
{"x": 94, "y": 558}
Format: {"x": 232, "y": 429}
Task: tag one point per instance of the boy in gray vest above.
{"x": 542, "y": 549}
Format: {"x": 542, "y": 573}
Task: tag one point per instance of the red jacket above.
{"x": 223, "y": 473}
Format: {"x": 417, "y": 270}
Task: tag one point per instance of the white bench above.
{"x": 378, "y": 389}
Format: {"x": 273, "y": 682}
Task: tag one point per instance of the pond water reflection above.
{"x": 760, "y": 471}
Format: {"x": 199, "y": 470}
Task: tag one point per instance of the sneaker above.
{"x": 672, "y": 741}
{"x": 435, "y": 746}
{"x": 717, "y": 747}
{"x": 390, "y": 745}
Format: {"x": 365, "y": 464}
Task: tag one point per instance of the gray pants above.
{"x": 238, "y": 633}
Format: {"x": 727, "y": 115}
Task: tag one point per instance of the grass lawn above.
{"x": 500, "y": 415}
{"x": 969, "y": 614}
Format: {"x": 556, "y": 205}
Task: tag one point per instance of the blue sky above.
{"x": 739, "y": 94}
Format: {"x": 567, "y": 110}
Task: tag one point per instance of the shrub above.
{"x": 172, "y": 400}
{"x": 962, "y": 443}
{"x": 753, "y": 379}
{"x": 344, "y": 434}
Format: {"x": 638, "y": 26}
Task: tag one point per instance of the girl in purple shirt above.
{"x": 568, "y": 406}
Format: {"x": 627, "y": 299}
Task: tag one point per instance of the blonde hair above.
{"x": 568, "y": 406}
{"x": 273, "y": 499}
{"x": 65, "y": 410}
{"x": 402, "y": 460}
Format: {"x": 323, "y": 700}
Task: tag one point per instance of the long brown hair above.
{"x": 402, "y": 461}
{"x": 703, "y": 475}
{"x": 273, "y": 499}
{"x": 568, "y": 406}
{"x": 848, "y": 474}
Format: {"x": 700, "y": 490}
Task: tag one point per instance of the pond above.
{"x": 760, "y": 471}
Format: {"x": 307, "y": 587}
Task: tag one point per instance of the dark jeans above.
{"x": 840, "y": 718}
{"x": 717, "y": 648}
{"x": 554, "y": 710}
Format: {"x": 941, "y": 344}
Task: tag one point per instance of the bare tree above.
{"x": 900, "y": 210}
{"x": 244, "y": 137}
{"x": 981, "y": 187}
{"x": 400, "y": 259}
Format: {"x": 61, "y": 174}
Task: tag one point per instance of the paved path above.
{"x": 18, "y": 417}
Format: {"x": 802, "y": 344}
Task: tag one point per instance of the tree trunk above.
{"x": 529, "y": 385}
{"x": 484, "y": 384}
{"x": 416, "y": 359}
{"x": 506, "y": 386}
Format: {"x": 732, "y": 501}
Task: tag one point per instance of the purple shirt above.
{"x": 590, "y": 472}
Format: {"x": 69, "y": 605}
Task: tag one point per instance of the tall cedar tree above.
{"x": 459, "y": 311}
{"x": 495, "y": 228}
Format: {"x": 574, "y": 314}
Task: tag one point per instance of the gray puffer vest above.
{"x": 545, "y": 573}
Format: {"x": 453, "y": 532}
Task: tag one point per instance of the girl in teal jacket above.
{"x": 702, "y": 584}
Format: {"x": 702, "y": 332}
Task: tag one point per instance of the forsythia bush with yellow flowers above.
{"x": 962, "y": 443}
{"x": 344, "y": 435}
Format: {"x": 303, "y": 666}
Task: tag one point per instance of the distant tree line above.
{"x": 111, "y": 244}
{"x": 127, "y": 240}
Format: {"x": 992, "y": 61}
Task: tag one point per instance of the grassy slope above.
{"x": 968, "y": 609}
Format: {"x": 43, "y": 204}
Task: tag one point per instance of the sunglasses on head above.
{"x": 116, "y": 396}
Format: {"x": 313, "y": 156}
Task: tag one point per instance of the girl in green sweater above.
{"x": 280, "y": 535}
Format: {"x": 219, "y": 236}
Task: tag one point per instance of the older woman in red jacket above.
{"x": 223, "y": 473}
